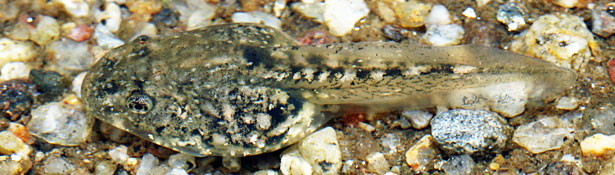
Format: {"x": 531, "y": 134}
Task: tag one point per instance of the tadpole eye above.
{"x": 139, "y": 103}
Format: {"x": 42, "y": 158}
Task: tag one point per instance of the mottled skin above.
{"x": 245, "y": 89}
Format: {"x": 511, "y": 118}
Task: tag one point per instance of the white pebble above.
{"x": 69, "y": 55}
{"x": 311, "y": 10}
{"x": 106, "y": 39}
{"x": 257, "y": 17}
{"x": 341, "y": 15}
{"x": 598, "y": 145}
{"x": 57, "y": 165}
{"x": 47, "y": 30}
{"x": 469, "y": 13}
{"x": 61, "y": 124}
{"x": 377, "y": 163}
{"x": 421, "y": 155}
{"x": 322, "y": 151}
{"x": 76, "y": 8}
{"x": 148, "y": 162}
{"x": 14, "y": 70}
{"x": 112, "y": 16}
{"x": 11, "y": 51}
{"x": 294, "y": 164}
{"x": 444, "y": 35}
{"x": 438, "y": 15}
{"x": 201, "y": 17}
{"x": 419, "y": 119}
{"x": 120, "y": 155}
{"x": 567, "y": 103}
{"x": 543, "y": 135}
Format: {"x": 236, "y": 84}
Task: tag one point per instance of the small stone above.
{"x": 266, "y": 172}
{"x": 390, "y": 141}
{"x": 341, "y": 15}
{"x": 105, "y": 38}
{"x": 147, "y": 165}
{"x": 570, "y": 3}
{"x": 50, "y": 84}
{"x": 377, "y": 163}
{"x": 182, "y": 161}
{"x": 481, "y": 3}
{"x": 21, "y": 132}
{"x": 79, "y": 32}
{"x": 385, "y": 12}
{"x": 110, "y": 17}
{"x": 14, "y": 164}
{"x": 421, "y": 155}
{"x": 76, "y": 8}
{"x": 603, "y": 20}
{"x": 14, "y": 70}
{"x": 558, "y": 38}
{"x": 313, "y": 10}
{"x": 47, "y": 31}
{"x": 411, "y": 13}
{"x": 438, "y": 15}
{"x": 321, "y": 149}
{"x": 461, "y": 131}
{"x": 512, "y": 15}
{"x": 278, "y": 7}
{"x": 444, "y": 35}
{"x": 11, "y": 51}
{"x": 201, "y": 17}
{"x": 459, "y": 165}
{"x": 601, "y": 121}
{"x": 106, "y": 168}
{"x": 60, "y": 124}
{"x": 469, "y": 13}
{"x": 57, "y": 165}
{"x": 120, "y": 155}
{"x": 567, "y": 103}
{"x": 419, "y": 119}
{"x": 598, "y": 145}
{"x": 257, "y": 17}
{"x": 68, "y": 55}
{"x": 293, "y": 164}
{"x": 11, "y": 144}
{"x": 543, "y": 135}
{"x": 404, "y": 123}
{"x": 16, "y": 98}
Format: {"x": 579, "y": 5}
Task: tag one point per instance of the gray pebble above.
{"x": 463, "y": 131}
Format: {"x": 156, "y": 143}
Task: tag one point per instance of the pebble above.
{"x": 13, "y": 50}
{"x": 182, "y": 161}
{"x": 440, "y": 30}
{"x": 341, "y": 15}
{"x": 69, "y": 56}
{"x": 147, "y": 165}
{"x": 76, "y": 8}
{"x": 603, "y": 20}
{"x": 459, "y": 165}
{"x": 390, "y": 141}
{"x": 559, "y": 38}
{"x": 461, "y": 131}
{"x": 77, "y": 32}
{"x": 110, "y": 17}
{"x": 419, "y": 119}
{"x": 120, "y": 155}
{"x": 62, "y": 124}
{"x": 598, "y": 145}
{"x": 411, "y": 13}
{"x": 49, "y": 84}
{"x": 601, "y": 121}
{"x": 512, "y": 15}
{"x": 105, "y": 168}
{"x": 567, "y": 103}
{"x": 320, "y": 151}
{"x": 47, "y": 30}
{"x": 14, "y": 164}
{"x": 105, "y": 38}
{"x": 420, "y": 157}
{"x": 21, "y": 132}
{"x": 377, "y": 163}
{"x": 293, "y": 164}
{"x": 469, "y": 13}
{"x": 481, "y": 3}
{"x": 11, "y": 144}
{"x": 201, "y": 17}
{"x": 14, "y": 70}
{"x": 57, "y": 165}
{"x": 257, "y": 17}
{"x": 16, "y": 98}
{"x": 313, "y": 10}
{"x": 543, "y": 135}
{"x": 570, "y": 3}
